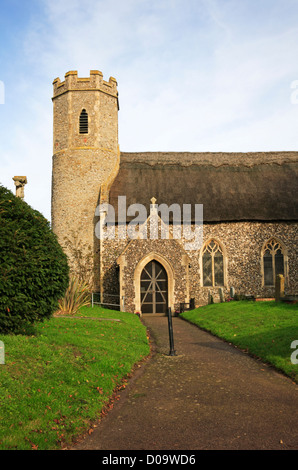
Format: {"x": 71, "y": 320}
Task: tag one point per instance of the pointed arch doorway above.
{"x": 154, "y": 288}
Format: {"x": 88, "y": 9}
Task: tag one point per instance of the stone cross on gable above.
{"x": 153, "y": 201}
{"x": 153, "y": 207}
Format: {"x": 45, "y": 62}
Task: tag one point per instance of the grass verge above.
{"x": 263, "y": 329}
{"x": 62, "y": 376}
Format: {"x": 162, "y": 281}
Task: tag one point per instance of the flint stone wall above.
{"x": 242, "y": 244}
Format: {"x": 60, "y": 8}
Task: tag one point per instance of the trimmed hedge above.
{"x": 34, "y": 271}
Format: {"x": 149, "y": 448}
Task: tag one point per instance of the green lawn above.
{"x": 63, "y": 373}
{"x": 61, "y": 376}
{"x": 263, "y": 329}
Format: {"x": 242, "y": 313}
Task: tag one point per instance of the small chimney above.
{"x": 20, "y": 182}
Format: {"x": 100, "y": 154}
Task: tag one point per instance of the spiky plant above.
{"x": 77, "y": 295}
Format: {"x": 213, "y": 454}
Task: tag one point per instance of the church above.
{"x": 159, "y": 230}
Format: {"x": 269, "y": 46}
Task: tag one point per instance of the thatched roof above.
{"x": 231, "y": 186}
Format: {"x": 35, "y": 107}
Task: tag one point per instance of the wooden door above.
{"x": 154, "y": 288}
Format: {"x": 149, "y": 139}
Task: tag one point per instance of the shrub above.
{"x": 33, "y": 266}
{"x": 76, "y": 296}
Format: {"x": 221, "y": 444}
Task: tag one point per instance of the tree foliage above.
{"x": 34, "y": 271}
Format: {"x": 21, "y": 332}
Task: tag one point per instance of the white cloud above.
{"x": 193, "y": 75}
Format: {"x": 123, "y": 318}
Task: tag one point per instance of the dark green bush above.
{"x": 33, "y": 267}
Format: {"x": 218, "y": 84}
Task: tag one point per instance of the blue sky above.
{"x": 193, "y": 75}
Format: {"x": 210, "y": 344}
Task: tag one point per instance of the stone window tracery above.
{"x": 273, "y": 261}
{"x": 213, "y": 264}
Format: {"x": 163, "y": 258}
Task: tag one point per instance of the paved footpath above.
{"x": 209, "y": 396}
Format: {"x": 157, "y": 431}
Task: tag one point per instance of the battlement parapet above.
{"x": 95, "y": 83}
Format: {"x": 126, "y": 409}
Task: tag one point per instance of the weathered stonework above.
{"x": 242, "y": 244}
{"x": 20, "y": 182}
{"x": 82, "y": 163}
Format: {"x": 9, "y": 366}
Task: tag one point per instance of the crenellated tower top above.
{"x": 85, "y": 112}
{"x": 95, "y": 82}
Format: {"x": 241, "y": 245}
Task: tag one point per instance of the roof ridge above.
{"x": 215, "y": 159}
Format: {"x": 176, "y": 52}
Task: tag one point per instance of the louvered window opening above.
{"x": 84, "y": 122}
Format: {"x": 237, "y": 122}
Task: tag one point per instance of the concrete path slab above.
{"x": 209, "y": 396}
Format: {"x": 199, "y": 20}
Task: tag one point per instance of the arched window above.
{"x": 213, "y": 264}
{"x": 273, "y": 261}
{"x": 84, "y": 122}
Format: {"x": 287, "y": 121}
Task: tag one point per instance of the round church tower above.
{"x": 85, "y": 152}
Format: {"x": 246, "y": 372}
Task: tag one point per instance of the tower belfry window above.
{"x": 84, "y": 122}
